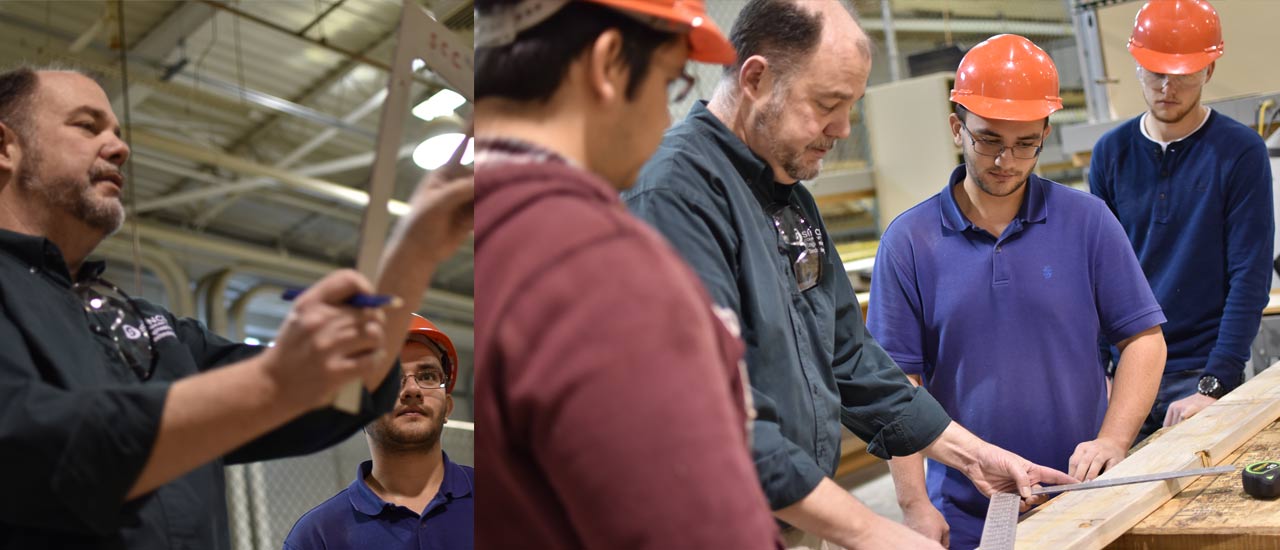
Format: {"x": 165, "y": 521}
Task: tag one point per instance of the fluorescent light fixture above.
{"x": 417, "y": 64}
{"x": 444, "y": 103}
{"x": 252, "y": 341}
{"x": 435, "y": 151}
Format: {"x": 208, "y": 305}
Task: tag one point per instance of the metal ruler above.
{"x": 1000, "y": 530}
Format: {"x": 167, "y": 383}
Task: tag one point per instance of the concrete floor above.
{"x": 874, "y": 487}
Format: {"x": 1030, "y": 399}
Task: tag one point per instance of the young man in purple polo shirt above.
{"x": 410, "y": 495}
{"x": 994, "y": 293}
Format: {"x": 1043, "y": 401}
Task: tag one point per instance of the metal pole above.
{"x": 891, "y": 40}
{"x": 1093, "y": 72}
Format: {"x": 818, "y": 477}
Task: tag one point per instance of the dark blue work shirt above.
{"x": 812, "y": 364}
{"x": 357, "y": 519}
{"x": 1004, "y": 330}
{"x": 77, "y": 426}
{"x": 1199, "y": 216}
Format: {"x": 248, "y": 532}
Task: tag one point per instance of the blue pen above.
{"x": 358, "y": 300}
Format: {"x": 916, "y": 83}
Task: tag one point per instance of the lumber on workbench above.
{"x": 1214, "y": 513}
{"x": 1087, "y": 520}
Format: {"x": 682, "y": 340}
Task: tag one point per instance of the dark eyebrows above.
{"x": 988, "y": 133}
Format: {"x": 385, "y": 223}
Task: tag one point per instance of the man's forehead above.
{"x": 418, "y": 352}
{"x": 70, "y": 90}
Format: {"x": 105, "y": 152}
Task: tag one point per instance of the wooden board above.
{"x": 1082, "y": 520}
{"x": 1273, "y": 303}
{"x": 1214, "y": 512}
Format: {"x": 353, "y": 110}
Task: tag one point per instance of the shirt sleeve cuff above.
{"x": 1229, "y": 371}
{"x": 917, "y": 427}
{"x": 383, "y": 398}
{"x": 1135, "y": 324}
{"x": 125, "y": 430}
{"x": 787, "y": 475}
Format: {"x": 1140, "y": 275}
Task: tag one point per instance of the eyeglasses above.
{"x": 430, "y": 379}
{"x": 116, "y": 316}
{"x": 989, "y": 148}
{"x": 1179, "y": 81}
{"x": 679, "y": 88}
{"x": 801, "y": 243}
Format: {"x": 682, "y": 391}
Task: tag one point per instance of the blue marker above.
{"x": 358, "y": 300}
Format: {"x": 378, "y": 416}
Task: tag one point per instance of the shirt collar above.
{"x": 753, "y": 169}
{"x": 455, "y": 485}
{"x": 42, "y": 254}
{"x": 1033, "y": 209}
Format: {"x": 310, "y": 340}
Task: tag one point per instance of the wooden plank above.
{"x": 1214, "y": 512}
{"x": 1084, "y": 520}
{"x": 853, "y": 456}
{"x": 1273, "y": 303}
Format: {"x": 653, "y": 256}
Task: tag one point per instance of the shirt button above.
{"x": 1161, "y": 196}
{"x": 1164, "y": 173}
{"x": 998, "y": 249}
{"x": 32, "y": 270}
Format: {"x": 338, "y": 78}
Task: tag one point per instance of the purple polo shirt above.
{"x": 1004, "y": 331}
{"x": 356, "y": 519}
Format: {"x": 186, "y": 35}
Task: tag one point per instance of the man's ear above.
{"x": 607, "y": 72}
{"x": 448, "y": 408}
{"x": 755, "y": 78}
{"x": 954, "y": 121}
{"x": 10, "y": 151}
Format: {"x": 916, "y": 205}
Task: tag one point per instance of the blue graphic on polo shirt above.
{"x": 1047, "y": 272}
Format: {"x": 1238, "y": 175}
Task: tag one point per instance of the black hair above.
{"x": 532, "y": 67}
{"x": 782, "y": 31}
{"x": 17, "y": 88}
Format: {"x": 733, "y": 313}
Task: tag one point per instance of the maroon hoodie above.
{"x": 609, "y": 397}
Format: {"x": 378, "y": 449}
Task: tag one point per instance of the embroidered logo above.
{"x": 1047, "y": 272}
{"x": 160, "y": 328}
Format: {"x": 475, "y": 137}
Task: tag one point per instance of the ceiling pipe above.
{"x": 215, "y": 297}
{"x": 172, "y": 278}
{"x": 327, "y": 189}
{"x": 241, "y": 305}
{"x": 319, "y": 43}
{"x": 971, "y": 26}
{"x": 281, "y": 265}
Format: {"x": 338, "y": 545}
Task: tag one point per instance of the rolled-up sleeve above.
{"x": 72, "y": 455}
{"x": 306, "y": 434}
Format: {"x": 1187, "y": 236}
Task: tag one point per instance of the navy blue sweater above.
{"x": 1200, "y": 218}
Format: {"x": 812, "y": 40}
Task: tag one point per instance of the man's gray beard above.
{"x": 790, "y": 161}
{"x": 71, "y": 196}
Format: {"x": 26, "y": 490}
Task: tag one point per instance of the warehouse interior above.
{"x": 253, "y": 123}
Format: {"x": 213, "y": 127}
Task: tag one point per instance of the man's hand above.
{"x": 1091, "y": 458}
{"x": 440, "y": 211}
{"x": 881, "y": 533}
{"x": 996, "y": 470}
{"x": 922, "y": 517}
{"x": 1186, "y": 407}
{"x": 324, "y": 343}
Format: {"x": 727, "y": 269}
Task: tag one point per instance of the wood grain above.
{"x": 1084, "y": 520}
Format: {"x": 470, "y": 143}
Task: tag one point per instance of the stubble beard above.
{"x": 74, "y": 196}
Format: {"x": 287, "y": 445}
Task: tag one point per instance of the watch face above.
{"x": 1209, "y": 385}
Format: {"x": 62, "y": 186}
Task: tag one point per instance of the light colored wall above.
{"x": 1248, "y": 66}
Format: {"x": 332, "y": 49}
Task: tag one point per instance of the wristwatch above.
{"x": 1210, "y": 385}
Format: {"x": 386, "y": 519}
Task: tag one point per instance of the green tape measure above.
{"x": 1260, "y": 479}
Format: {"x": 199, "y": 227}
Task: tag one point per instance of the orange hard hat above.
{"x": 425, "y": 332}
{"x": 1176, "y": 36}
{"x": 1007, "y": 77}
{"x": 706, "y": 42}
